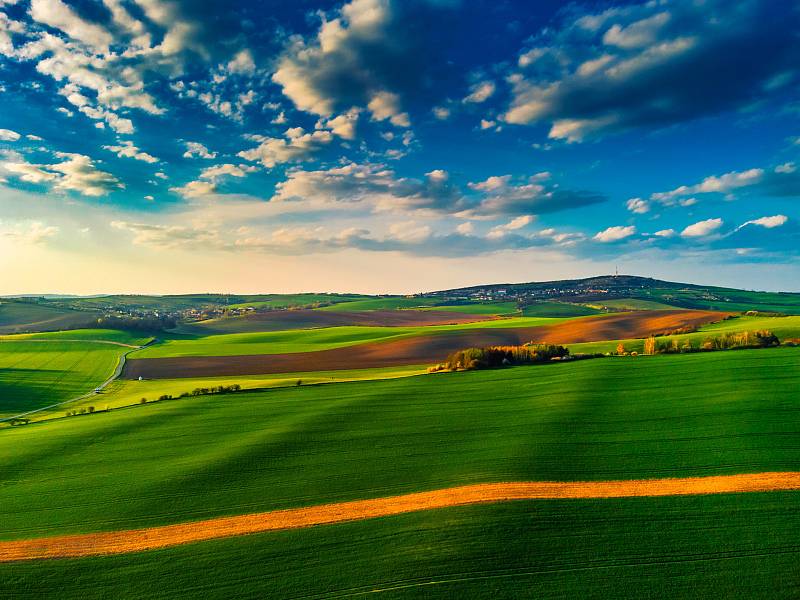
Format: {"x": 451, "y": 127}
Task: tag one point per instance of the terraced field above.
{"x": 194, "y": 459}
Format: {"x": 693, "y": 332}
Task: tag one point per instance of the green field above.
{"x": 735, "y": 546}
{"x": 634, "y": 304}
{"x": 34, "y": 374}
{"x": 125, "y": 392}
{"x": 784, "y": 327}
{"x": 217, "y": 455}
{"x": 602, "y": 419}
{"x": 104, "y": 335}
{"x": 728, "y": 299}
{"x": 16, "y": 317}
{"x": 308, "y": 340}
{"x": 558, "y": 309}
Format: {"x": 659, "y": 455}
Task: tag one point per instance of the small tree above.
{"x": 620, "y": 349}
{"x": 650, "y": 345}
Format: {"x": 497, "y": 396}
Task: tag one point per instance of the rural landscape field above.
{"x": 454, "y": 299}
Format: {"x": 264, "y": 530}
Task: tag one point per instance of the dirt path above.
{"x": 137, "y": 540}
{"x": 422, "y": 349}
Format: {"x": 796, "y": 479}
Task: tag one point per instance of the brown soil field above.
{"x": 423, "y": 349}
{"x": 279, "y": 320}
{"x": 137, "y": 540}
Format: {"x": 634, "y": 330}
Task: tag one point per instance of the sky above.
{"x": 396, "y": 146}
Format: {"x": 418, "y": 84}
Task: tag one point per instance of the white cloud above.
{"x": 513, "y": 225}
{"x": 386, "y": 105}
{"x": 7, "y": 135}
{"x": 32, "y": 232}
{"x": 343, "y": 125}
{"x": 768, "y": 222}
{"x": 441, "y": 112}
{"x": 58, "y": 15}
{"x": 298, "y": 146}
{"x": 195, "y": 189}
{"x": 218, "y": 171}
{"x": 702, "y": 228}
{"x": 196, "y": 149}
{"x": 77, "y": 173}
{"x": 466, "y": 228}
{"x": 615, "y": 234}
{"x": 638, "y": 206}
{"x": 480, "y": 92}
{"x": 126, "y": 149}
{"x": 666, "y": 233}
{"x": 242, "y": 63}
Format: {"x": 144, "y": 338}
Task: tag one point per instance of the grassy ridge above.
{"x": 728, "y": 412}
{"x": 101, "y": 335}
{"x": 734, "y": 546}
{"x": 307, "y": 340}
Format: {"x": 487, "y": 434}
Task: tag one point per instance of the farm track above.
{"x": 137, "y": 540}
{"x": 422, "y": 349}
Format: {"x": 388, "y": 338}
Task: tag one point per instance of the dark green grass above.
{"x": 729, "y": 546}
{"x": 34, "y": 374}
{"x": 558, "y": 309}
{"x": 727, "y": 412}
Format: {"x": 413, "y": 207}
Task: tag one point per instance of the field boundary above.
{"x": 138, "y": 540}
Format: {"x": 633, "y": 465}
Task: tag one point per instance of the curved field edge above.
{"x": 215, "y": 456}
{"x": 128, "y": 541}
{"x": 733, "y": 546}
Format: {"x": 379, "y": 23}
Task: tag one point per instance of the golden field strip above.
{"x": 137, "y": 540}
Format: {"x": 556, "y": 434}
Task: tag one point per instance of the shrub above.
{"x": 498, "y": 356}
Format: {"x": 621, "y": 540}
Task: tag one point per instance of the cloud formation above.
{"x": 653, "y": 65}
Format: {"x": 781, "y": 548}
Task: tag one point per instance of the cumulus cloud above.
{"x": 297, "y": 146}
{"x": 615, "y": 233}
{"x": 76, "y": 172}
{"x": 127, "y": 149}
{"x": 780, "y": 181}
{"x": 361, "y": 56}
{"x": 7, "y": 135}
{"x": 654, "y": 64}
{"x": 372, "y": 185}
{"x": 198, "y": 150}
{"x": 638, "y": 206}
{"x": 702, "y": 228}
{"x": 535, "y": 195}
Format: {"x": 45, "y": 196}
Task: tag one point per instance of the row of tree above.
{"x": 728, "y": 341}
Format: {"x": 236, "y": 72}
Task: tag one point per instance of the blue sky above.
{"x": 380, "y": 145}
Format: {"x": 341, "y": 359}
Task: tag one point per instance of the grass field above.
{"x": 604, "y": 419}
{"x": 18, "y": 317}
{"x": 558, "y": 309}
{"x": 634, "y": 304}
{"x": 103, "y": 335}
{"x": 784, "y": 327}
{"x": 735, "y": 546}
{"x": 123, "y": 392}
{"x": 306, "y": 340}
{"x": 34, "y": 374}
{"x": 217, "y": 455}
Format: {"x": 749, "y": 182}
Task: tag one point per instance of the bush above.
{"x": 499, "y": 356}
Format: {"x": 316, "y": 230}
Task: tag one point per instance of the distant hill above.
{"x": 17, "y": 316}
{"x": 645, "y": 291}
